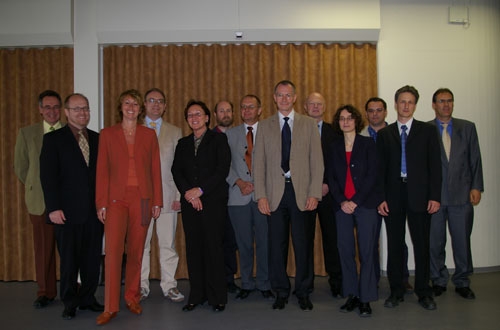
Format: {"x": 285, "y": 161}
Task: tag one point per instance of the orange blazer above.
{"x": 112, "y": 166}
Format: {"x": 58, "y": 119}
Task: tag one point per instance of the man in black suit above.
{"x": 410, "y": 176}
{"x": 68, "y": 173}
{"x": 315, "y": 107}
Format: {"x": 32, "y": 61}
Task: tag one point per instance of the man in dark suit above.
{"x": 410, "y": 178}
{"x": 460, "y": 192}
{"x": 67, "y": 172}
{"x": 288, "y": 174}
{"x": 315, "y": 107}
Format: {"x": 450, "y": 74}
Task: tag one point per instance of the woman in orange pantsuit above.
{"x": 128, "y": 194}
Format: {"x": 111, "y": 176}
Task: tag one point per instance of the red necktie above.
{"x": 248, "y": 153}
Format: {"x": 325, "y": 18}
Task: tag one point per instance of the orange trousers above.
{"x": 123, "y": 228}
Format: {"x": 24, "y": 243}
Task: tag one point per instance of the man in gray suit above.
{"x": 27, "y": 168}
{"x": 166, "y": 224}
{"x": 248, "y": 223}
{"x": 461, "y": 190}
{"x": 288, "y": 176}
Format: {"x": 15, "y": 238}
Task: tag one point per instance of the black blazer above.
{"x": 207, "y": 170}
{"x": 328, "y": 135}
{"x": 363, "y": 167}
{"x": 423, "y": 164}
{"x": 68, "y": 183}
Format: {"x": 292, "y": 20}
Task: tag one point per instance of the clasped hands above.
{"x": 192, "y": 196}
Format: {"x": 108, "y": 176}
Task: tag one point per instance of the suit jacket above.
{"x": 167, "y": 140}
{"x": 306, "y": 161}
{"x": 464, "y": 170}
{"x": 328, "y": 135}
{"x": 207, "y": 169}
{"x": 423, "y": 163}
{"x": 363, "y": 165}
{"x": 68, "y": 183}
{"x": 112, "y": 166}
{"x": 237, "y": 139}
{"x": 27, "y": 166}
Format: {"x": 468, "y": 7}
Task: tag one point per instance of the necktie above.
{"x": 51, "y": 129}
{"x": 404, "y": 136}
{"x": 445, "y": 136}
{"x": 152, "y": 125}
{"x": 84, "y": 146}
{"x": 286, "y": 142}
{"x": 248, "y": 153}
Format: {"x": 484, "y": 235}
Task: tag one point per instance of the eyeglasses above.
{"x": 314, "y": 104}
{"x": 250, "y": 107}
{"x": 348, "y": 119}
{"x": 80, "y": 109}
{"x": 194, "y": 115}
{"x": 378, "y": 110}
{"x": 282, "y": 95}
{"x": 442, "y": 101}
{"x": 158, "y": 101}
{"x": 48, "y": 107}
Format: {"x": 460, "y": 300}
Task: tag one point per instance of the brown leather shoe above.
{"x": 134, "y": 308}
{"x": 105, "y": 317}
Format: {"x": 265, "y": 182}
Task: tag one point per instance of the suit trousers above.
{"x": 419, "y": 224}
{"x": 327, "y": 221}
{"x": 365, "y": 221}
{"x": 123, "y": 222}
{"x": 44, "y": 244}
{"x": 288, "y": 216}
{"x": 249, "y": 225}
{"x": 79, "y": 247}
{"x": 230, "y": 246}
{"x": 165, "y": 227}
{"x": 460, "y": 220}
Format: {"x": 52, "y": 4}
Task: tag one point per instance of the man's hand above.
{"x": 263, "y": 206}
{"x": 311, "y": 203}
{"x": 383, "y": 209}
{"x": 475, "y": 196}
{"x": 57, "y": 217}
{"x": 324, "y": 189}
{"x": 433, "y": 207}
{"x": 246, "y": 187}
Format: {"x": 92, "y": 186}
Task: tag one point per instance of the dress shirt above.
{"x": 47, "y": 126}
{"x": 158, "y": 123}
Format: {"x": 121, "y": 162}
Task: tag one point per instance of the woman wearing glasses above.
{"x": 351, "y": 169}
{"x": 200, "y": 167}
{"x": 128, "y": 195}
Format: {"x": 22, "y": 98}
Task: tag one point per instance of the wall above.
{"x": 416, "y": 45}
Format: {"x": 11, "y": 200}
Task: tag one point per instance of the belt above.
{"x": 404, "y": 179}
{"x": 288, "y": 180}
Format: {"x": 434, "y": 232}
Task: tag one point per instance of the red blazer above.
{"x": 112, "y": 166}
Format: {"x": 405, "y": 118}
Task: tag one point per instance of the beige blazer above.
{"x": 167, "y": 140}
{"x": 27, "y": 166}
{"x": 306, "y": 161}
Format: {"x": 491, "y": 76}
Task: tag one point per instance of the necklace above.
{"x": 129, "y": 131}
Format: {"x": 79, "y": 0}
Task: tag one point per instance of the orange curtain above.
{"x": 343, "y": 73}
{"x": 24, "y": 74}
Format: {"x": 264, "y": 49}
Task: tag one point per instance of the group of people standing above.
{"x": 252, "y": 184}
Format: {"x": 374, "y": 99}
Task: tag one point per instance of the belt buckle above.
{"x": 288, "y": 180}
{"x": 404, "y": 179}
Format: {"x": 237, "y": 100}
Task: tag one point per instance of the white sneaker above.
{"x": 144, "y": 293}
{"x": 175, "y": 295}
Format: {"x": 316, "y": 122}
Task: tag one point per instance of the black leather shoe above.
{"x": 42, "y": 301}
{"x": 305, "y": 304}
{"x": 219, "y": 308}
{"x": 233, "y": 288}
{"x": 243, "y": 294}
{"x": 393, "y": 301}
{"x": 351, "y": 303}
{"x": 267, "y": 294}
{"x": 465, "y": 292}
{"x": 408, "y": 287}
{"x": 68, "y": 313}
{"x": 427, "y": 302}
{"x": 438, "y": 290}
{"x": 94, "y": 307}
{"x": 365, "y": 310}
{"x": 280, "y": 302}
{"x": 189, "y": 307}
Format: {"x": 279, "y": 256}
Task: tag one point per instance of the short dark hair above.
{"x": 442, "y": 90}
{"x": 375, "y": 99}
{"x": 359, "y": 124}
{"x": 230, "y": 103}
{"x": 407, "y": 89}
{"x": 46, "y": 93}
{"x": 259, "y": 104}
{"x": 154, "y": 89}
{"x": 133, "y": 93}
{"x": 199, "y": 103}
{"x": 286, "y": 83}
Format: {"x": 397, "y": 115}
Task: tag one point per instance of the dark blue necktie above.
{"x": 286, "y": 142}
{"x": 404, "y": 136}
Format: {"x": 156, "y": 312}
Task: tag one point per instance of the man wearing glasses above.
{"x": 27, "y": 169}
{"x": 68, "y": 174}
{"x": 166, "y": 224}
